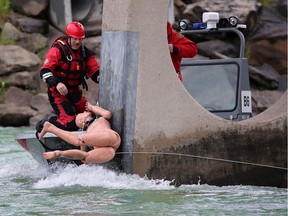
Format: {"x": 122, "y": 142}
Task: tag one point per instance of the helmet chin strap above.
{"x": 69, "y": 41}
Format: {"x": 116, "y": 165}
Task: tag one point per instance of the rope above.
{"x": 207, "y": 158}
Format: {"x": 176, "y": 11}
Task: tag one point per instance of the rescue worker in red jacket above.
{"x": 179, "y": 47}
{"x": 66, "y": 65}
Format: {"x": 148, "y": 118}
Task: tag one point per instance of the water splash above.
{"x": 98, "y": 176}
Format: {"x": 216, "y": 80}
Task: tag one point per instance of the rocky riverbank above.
{"x": 28, "y": 34}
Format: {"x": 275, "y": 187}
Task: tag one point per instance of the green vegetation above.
{"x": 268, "y": 3}
{"x": 41, "y": 54}
{"x": 4, "y": 9}
{"x": 3, "y": 89}
{"x": 6, "y": 41}
{"x": 247, "y": 52}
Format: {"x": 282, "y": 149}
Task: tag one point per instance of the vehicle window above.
{"x": 213, "y": 86}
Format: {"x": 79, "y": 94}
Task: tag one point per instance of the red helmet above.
{"x": 75, "y": 30}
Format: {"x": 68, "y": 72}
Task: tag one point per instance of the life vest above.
{"x": 71, "y": 71}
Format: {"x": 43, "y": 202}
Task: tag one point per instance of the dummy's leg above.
{"x": 99, "y": 155}
{"x": 74, "y": 154}
{"x": 67, "y": 136}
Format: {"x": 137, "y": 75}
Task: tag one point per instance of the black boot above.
{"x": 39, "y": 124}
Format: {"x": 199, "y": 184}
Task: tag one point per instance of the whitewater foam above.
{"x": 98, "y": 176}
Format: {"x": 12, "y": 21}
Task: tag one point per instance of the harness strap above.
{"x": 66, "y": 54}
{"x": 65, "y": 49}
{"x": 67, "y": 57}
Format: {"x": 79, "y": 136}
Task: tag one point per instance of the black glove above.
{"x": 96, "y": 77}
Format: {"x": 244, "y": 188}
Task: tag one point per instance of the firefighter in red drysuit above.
{"x": 179, "y": 47}
{"x": 66, "y": 65}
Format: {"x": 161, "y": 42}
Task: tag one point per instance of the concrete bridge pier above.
{"x": 88, "y": 12}
{"x": 165, "y": 133}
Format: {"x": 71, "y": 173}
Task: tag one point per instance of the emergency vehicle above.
{"x": 219, "y": 85}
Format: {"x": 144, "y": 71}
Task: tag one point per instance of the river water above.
{"x": 28, "y": 188}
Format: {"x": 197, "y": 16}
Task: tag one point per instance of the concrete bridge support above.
{"x": 88, "y": 12}
{"x": 165, "y": 132}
